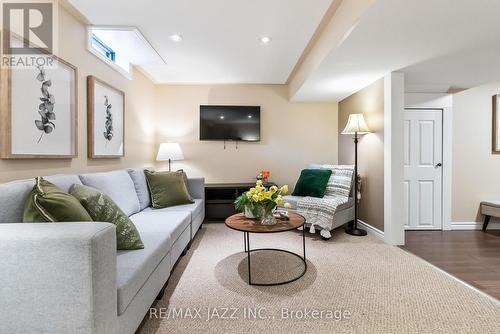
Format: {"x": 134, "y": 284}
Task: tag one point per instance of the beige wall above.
{"x": 292, "y": 134}
{"x": 476, "y": 171}
{"x": 140, "y": 108}
{"x": 370, "y": 102}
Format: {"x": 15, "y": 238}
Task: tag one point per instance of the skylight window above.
{"x": 122, "y": 47}
{"x": 102, "y": 48}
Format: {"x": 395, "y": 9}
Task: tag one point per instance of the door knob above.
{"x": 438, "y": 165}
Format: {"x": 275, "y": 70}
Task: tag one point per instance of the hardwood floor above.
{"x": 472, "y": 256}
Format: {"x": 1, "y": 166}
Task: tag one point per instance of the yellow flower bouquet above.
{"x": 259, "y": 202}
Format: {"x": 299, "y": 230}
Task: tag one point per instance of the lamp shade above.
{"x": 356, "y": 124}
{"x": 169, "y": 151}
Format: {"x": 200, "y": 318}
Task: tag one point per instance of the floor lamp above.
{"x": 169, "y": 151}
{"x": 356, "y": 126}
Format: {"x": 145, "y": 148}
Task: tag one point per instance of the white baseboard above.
{"x": 473, "y": 226}
{"x": 372, "y": 230}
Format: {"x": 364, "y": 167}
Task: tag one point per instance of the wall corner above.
{"x": 393, "y": 158}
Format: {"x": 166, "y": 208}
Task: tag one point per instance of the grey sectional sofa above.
{"x": 69, "y": 277}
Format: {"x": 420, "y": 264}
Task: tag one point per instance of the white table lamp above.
{"x": 169, "y": 151}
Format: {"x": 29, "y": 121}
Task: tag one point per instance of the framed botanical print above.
{"x": 38, "y": 111}
{"x": 106, "y": 120}
{"x": 495, "y": 140}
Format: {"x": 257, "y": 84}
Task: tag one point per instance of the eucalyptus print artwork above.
{"x": 39, "y": 111}
{"x": 46, "y": 107}
{"x": 108, "y": 133}
{"x": 105, "y": 120}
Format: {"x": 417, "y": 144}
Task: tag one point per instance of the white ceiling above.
{"x": 437, "y": 43}
{"x": 467, "y": 68}
{"x": 129, "y": 45}
{"x": 220, "y": 37}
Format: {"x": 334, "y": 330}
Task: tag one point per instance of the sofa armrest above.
{"x": 58, "y": 278}
{"x": 196, "y": 187}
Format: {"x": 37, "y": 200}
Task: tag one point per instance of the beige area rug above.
{"x": 352, "y": 285}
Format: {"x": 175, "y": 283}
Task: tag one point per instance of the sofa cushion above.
{"x": 194, "y": 209}
{"x": 141, "y": 185}
{"x": 118, "y": 185}
{"x": 312, "y": 182}
{"x": 48, "y": 203}
{"x": 292, "y": 200}
{"x": 158, "y": 230}
{"x": 13, "y": 195}
{"x": 168, "y": 188}
{"x": 341, "y": 181}
{"x": 64, "y": 181}
{"x": 102, "y": 209}
{"x": 174, "y": 222}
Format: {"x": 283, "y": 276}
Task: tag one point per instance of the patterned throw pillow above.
{"x": 47, "y": 203}
{"x": 340, "y": 182}
{"x": 102, "y": 209}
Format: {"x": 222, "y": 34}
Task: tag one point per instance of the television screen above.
{"x": 230, "y": 123}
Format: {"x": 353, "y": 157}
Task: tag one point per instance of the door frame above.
{"x": 442, "y": 102}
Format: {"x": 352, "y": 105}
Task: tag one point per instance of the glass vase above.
{"x": 249, "y": 213}
{"x": 267, "y": 217}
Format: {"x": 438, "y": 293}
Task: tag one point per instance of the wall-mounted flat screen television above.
{"x": 240, "y": 123}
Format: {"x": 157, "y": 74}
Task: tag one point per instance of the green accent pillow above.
{"x": 47, "y": 203}
{"x": 185, "y": 177}
{"x": 102, "y": 209}
{"x": 312, "y": 182}
{"x": 168, "y": 188}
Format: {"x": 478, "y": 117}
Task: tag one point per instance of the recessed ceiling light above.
{"x": 265, "y": 39}
{"x": 176, "y": 38}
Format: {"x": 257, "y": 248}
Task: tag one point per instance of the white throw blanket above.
{"x": 319, "y": 212}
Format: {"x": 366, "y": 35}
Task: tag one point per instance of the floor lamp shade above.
{"x": 169, "y": 151}
{"x": 356, "y": 125}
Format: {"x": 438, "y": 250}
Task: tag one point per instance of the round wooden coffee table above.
{"x": 240, "y": 223}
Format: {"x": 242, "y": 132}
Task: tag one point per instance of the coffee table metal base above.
{"x": 246, "y": 237}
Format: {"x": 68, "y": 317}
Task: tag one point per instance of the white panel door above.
{"x": 423, "y": 145}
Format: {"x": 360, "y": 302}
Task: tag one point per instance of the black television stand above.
{"x": 220, "y": 197}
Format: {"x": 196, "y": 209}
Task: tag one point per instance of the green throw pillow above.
{"x": 312, "y": 182}
{"x": 185, "y": 177}
{"x": 168, "y": 188}
{"x": 47, "y": 203}
{"x": 102, "y": 209}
